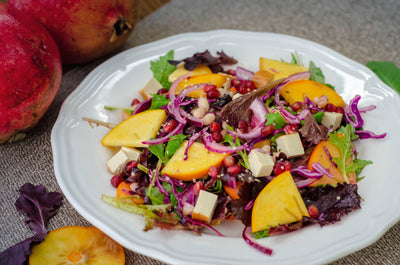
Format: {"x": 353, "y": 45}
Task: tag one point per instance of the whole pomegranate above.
{"x": 83, "y": 29}
{"x": 30, "y": 71}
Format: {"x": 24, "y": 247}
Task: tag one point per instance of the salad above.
{"x": 212, "y": 140}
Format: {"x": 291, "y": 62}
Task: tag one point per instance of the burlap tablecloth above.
{"x": 361, "y": 30}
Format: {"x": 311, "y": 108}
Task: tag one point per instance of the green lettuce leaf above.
{"x": 388, "y": 72}
{"x": 162, "y": 69}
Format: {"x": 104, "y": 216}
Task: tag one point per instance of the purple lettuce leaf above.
{"x": 38, "y": 205}
{"x": 19, "y": 253}
{"x": 332, "y": 202}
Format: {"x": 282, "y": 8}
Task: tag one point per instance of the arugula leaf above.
{"x": 388, "y": 72}
{"x": 173, "y": 144}
{"x": 165, "y": 152}
{"x": 343, "y": 140}
{"x": 243, "y": 154}
{"x": 158, "y": 150}
{"x": 162, "y": 69}
{"x": 127, "y": 110}
{"x": 276, "y": 119}
{"x": 159, "y": 101}
{"x": 217, "y": 187}
{"x": 295, "y": 58}
{"x": 318, "y": 116}
{"x": 317, "y": 75}
{"x": 261, "y": 234}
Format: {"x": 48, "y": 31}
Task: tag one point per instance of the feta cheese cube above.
{"x": 332, "y": 120}
{"x": 261, "y": 164}
{"x": 132, "y": 153}
{"x": 205, "y": 206}
{"x": 290, "y": 145}
{"x": 150, "y": 88}
{"x": 117, "y": 163}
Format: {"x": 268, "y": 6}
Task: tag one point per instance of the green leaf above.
{"x": 173, "y": 144}
{"x": 243, "y": 154}
{"x": 275, "y": 118}
{"x": 343, "y": 140}
{"x": 158, "y": 150}
{"x": 261, "y": 234}
{"x": 388, "y": 72}
{"x": 358, "y": 165}
{"x": 217, "y": 188}
{"x": 159, "y": 101}
{"x": 162, "y": 69}
{"x": 317, "y": 75}
{"x": 318, "y": 116}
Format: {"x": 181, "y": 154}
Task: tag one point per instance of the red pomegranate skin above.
{"x": 83, "y": 29}
{"x": 30, "y": 71}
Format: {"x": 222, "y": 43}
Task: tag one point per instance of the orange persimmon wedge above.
{"x": 77, "y": 245}
{"x": 299, "y": 89}
{"x": 214, "y": 79}
{"x": 197, "y": 164}
{"x": 201, "y": 69}
{"x": 123, "y": 190}
{"x": 320, "y": 155}
{"x": 280, "y": 69}
{"x": 279, "y": 202}
{"x": 136, "y": 129}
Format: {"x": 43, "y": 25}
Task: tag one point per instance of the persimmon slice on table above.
{"x": 77, "y": 245}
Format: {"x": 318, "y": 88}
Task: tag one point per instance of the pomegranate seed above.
{"x": 330, "y": 107}
{"x": 215, "y": 127}
{"x": 170, "y": 126}
{"x": 281, "y": 166}
{"x": 296, "y": 106}
{"x": 235, "y": 82}
{"x": 130, "y": 166}
{"x": 312, "y": 211}
{"x": 162, "y": 91}
{"x": 217, "y": 137}
{"x": 234, "y": 169}
{"x": 213, "y": 172}
{"x": 135, "y": 101}
{"x": 243, "y": 126}
{"x": 267, "y": 130}
{"x": 209, "y": 87}
{"x": 228, "y": 161}
{"x": 339, "y": 110}
{"x": 290, "y": 128}
{"x": 213, "y": 94}
{"x": 116, "y": 180}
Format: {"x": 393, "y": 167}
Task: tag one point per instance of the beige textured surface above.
{"x": 361, "y": 30}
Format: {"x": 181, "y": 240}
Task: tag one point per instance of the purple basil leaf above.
{"x": 19, "y": 253}
{"x": 38, "y": 205}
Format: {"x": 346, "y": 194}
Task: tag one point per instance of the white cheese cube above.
{"x": 332, "y": 120}
{"x": 150, "y": 88}
{"x": 290, "y": 145}
{"x": 261, "y": 164}
{"x": 132, "y": 153}
{"x": 205, "y": 206}
{"x": 117, "y": 163}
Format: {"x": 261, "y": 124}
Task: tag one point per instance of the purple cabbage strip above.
{"x": 249, "y": 240}
{"x": 364, "y": 134}
{"x": 352, "y": 113}
{"x": 243, "y": 74}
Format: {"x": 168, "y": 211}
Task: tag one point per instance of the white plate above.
{"x": 79, "y": 157}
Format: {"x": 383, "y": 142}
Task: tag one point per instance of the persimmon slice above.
{"x": 77, "y": 245}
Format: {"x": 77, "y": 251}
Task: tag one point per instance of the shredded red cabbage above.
{"x": 364, "y": 134}
{"x": 249, "y": 240}
{"x": 243, "y": 74}
{"x": 352, "y": 114}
